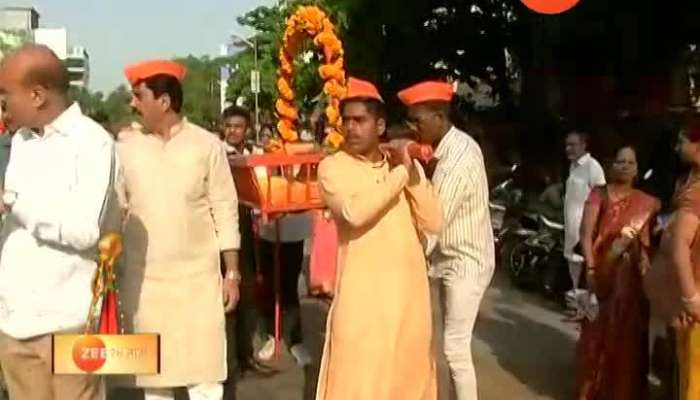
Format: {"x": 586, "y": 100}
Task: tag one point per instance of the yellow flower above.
{"x": 274, "y": 145}
{"x": 286, "y": 110}
{"x": 285, "y": 89}
{"x": 334, "y": 139}
{"x": 333, "y": 114}
{"x": 286, "y": 67}
{"x": 332, "y": 71}
{"x": 330, "y": 44}
{"x": 287, "y": 131}
{"x": 333, "y": 89}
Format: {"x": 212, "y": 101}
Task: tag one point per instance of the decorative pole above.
{"x": 104, "y": 287}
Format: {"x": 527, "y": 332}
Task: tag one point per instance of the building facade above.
{"x": 20, "y": 25}
{"x": 19, "y": 18}
{"x": 54, "y": 38}
{"x": 78, "y": 63}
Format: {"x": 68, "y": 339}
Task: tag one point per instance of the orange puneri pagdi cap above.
{"x": 358, "y": 88}
{"x": 146, "y": 69}
{"x": 426, "y": 91}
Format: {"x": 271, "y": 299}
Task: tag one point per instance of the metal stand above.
{"x": 278, "y": 309}
{"x": 276, "y": 268}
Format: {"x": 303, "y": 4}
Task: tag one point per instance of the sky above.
{"x": 118, "y": 32}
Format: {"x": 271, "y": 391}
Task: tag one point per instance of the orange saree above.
{"x": 612, "y": 353}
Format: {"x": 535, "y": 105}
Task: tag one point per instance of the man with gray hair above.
{"x": 57, "y": 185}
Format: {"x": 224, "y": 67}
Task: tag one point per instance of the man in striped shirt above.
{"x": 462, "y": 257}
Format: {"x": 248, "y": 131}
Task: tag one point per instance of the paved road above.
{"x": 522, "y": 351}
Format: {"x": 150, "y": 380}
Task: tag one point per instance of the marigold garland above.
{"x": 311, "y": 21}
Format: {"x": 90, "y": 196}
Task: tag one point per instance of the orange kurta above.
{"x": 379, "y": 327}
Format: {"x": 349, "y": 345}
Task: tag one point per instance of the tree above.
{"x": 116, "y": 106}
{"x": 90, "y": 102}
{"x": 11, "y": 39}
{"x": 427, "y": 39}
{"x": 583, "y": 66}
{"x": 201, "y": 89}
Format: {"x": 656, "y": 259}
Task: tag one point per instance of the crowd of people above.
{"x": 632, "y": 269}
{"x": 415, "y": 246}
{"x": 166, "y": 185}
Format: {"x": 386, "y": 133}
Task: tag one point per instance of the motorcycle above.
{"x": 518, "y": 222}
{"x": 537, "y": 260}
{"x": 504, "y": 200}
{"x": 533, "y": 262}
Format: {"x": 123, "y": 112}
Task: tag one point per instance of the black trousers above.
{"x": 291, "y": 259}
{"x": 240, "y": 324}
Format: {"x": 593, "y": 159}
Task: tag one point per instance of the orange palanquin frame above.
{"x": 259, "y": 196}
{"x": 259, "y": 192}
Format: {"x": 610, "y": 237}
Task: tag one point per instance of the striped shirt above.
{"x": 465, "y": 247}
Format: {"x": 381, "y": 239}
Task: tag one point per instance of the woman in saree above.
{"x": 612, "y": 353}
{"x": 674, "y": 282}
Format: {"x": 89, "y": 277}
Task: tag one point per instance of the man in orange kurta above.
{"x": 379, "y": 327}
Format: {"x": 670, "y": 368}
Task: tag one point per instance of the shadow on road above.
{"x": 539, "y": 355}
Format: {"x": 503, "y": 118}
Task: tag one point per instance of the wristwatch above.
{"x": 9, "y": 198}
{"x": 233, "y": 276}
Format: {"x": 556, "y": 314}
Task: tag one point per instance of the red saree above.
{"x": 612, "y": 353}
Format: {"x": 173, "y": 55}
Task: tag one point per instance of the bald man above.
{"x": 57, "y": 189}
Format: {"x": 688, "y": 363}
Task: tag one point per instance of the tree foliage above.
{"x": 269, "y": 25}
{"x": 116, "y": 105}
{"x": 113, "y": 110}
{"x": 201, "y": 89}
{"x": 11, "y": 39}
{"x": 427, "y": 39}
{"x": 90, "y": 102}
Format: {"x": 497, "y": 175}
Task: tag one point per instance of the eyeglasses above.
{"x": 413, "y": 122}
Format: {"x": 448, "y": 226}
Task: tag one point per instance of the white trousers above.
{"x": 202, "y": 391}
{"x": 461, "y": 298}
{"x": 575, "y": 272}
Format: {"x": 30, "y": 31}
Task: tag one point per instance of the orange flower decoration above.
{"x": 334, "y": 139}
{"x": 311, "y": 21}
{"x": 333, "y": 89}
{"x": 274, "y": 146}
{"x": 286, "y": 129}
{"x": 333, "y": 71}
{"x": 332, "y": 114}
{"x": 286, "y": 109}
{"x": 285, "y": 90}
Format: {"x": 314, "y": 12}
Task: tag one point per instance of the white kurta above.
{"x": 584, "y": 175}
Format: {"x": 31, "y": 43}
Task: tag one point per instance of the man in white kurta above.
{"x": 178, "y": 191}
{"x": 585, "y": 173}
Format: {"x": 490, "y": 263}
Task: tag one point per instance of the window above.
{"x": 75, "y": 63}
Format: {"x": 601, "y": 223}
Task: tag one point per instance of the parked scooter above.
{"x": 502, "y": 199}
{"x": 536, "y": 244}
{"x": 556, "y": 280}
{"x": 538, "y": 252}
{"x": 520, "y": 239}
